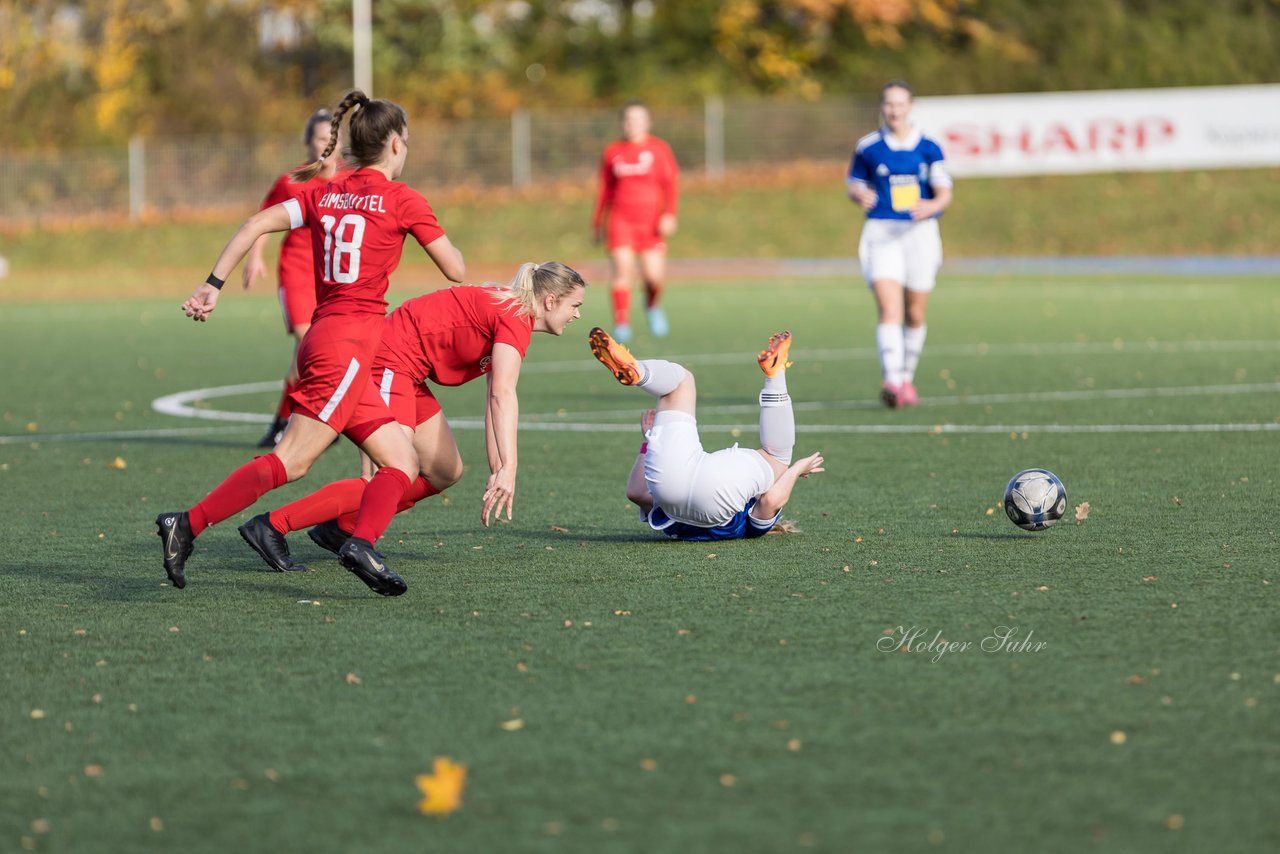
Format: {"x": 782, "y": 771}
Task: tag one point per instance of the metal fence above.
{"x": 165, "y": 175}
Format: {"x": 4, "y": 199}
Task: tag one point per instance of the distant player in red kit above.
{"x": 638, "y": 196}
{"x": 295, "y": 271}
{"x": 449, "y": 337}
{"x": 358, "y": 224}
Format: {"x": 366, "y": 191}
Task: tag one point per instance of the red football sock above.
{"x": 418, "y": 490}
{"x": 378, "y": 505}
{"x": 652, "y": 293}
{"x": 242, "y": 487}
{"x": 621, "y": 305}
{"x": 327, "y": 502}
{"x": 285, "y": 407}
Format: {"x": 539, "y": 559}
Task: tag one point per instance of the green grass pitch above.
{"x": 671, "y": 696}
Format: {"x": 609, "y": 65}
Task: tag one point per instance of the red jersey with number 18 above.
{"x": 448, "y": 336}
{"x": 358, "y": 224}
{"x": 295, "y": 268}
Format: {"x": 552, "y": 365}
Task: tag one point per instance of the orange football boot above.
{"x": 773, "y": 357}
{"x": 614, "y": 356}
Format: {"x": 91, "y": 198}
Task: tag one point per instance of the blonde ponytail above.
{"x": 534, "y": 281}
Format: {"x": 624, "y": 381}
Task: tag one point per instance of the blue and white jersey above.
{"x": 741, "y": 527}
{"x": 901, "y": 172}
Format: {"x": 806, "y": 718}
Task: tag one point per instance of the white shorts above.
{"x": 695, "y": 487}
{"x": 899, "y": 250}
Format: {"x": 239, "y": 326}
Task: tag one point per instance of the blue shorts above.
{"x": 741, "y": 527}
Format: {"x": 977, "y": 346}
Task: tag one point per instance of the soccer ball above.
{"x": 1035, "y": 499}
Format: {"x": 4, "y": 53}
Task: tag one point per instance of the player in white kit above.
{"x": 687, "y": 493}
{"x": 898, "y": 176}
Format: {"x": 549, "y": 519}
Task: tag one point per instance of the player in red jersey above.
{"x": 296, "y": 273}
{"x": 448, "y": 337}
{"x": 638, "y": 196}
{"x": 358, "y": 224}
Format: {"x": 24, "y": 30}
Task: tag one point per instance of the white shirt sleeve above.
{"x": 295, "y": 213}
{"x": 938, "y": 175}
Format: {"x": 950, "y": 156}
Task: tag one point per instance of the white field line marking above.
{"x": 937, "y": 429}
{"x": 959, "y": 400}
{"x": 1064, "y": 348}
{"x": 179, "y": 404}
{"x": 749, "y": 429}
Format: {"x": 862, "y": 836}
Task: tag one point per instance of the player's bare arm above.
{"x": 861, "y": 194}
{"x": 504, "y": 415}
{"x": 202, "y": 302}
{"x": 637, "y": 488}
{"x": 929, "y": 208}
{"x": 448, "y": 258}
{"x": 776, "y": 497}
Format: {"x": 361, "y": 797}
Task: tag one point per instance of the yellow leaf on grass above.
{"x": 1082, "y": 512}
{"x": 442, "y": 788}
{"x": 512, "y": 725}
{"x": 353, "y": 679}
{"x": 118, "y": 463}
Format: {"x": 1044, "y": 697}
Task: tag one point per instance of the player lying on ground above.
{"x": 683, "y": 491}
{"x": 449, "y": 337}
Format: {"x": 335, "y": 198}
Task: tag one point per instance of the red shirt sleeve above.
{"x": 669, "y": 178}
{"x": 417, "y": 218}
{"x": 513, "y": 329}
{"x": 608, "y": 183}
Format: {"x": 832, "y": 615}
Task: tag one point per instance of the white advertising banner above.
{"x": 1207, "y": 127}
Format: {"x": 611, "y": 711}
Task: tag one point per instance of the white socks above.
{"x": 889, "y": 340}
{"x": 913, "y": 345}
{"x": 659, "y": 377}
{"x": 900, "y": 348}
{"x": 777, "y": 420}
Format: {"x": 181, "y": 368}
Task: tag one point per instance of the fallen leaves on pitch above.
{"x": 512, "y": 725}
{"x": 353, "y": 679}
{"x": 557, "y": 529}
{"x": 1082, "y": 512}
{"x": 118, "y": 464}
{"x": 442, "y": 788}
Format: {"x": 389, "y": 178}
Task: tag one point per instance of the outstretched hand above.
{"x": 201, "y": 303}
{"x": 811, "y": 464}
{"x": 499, "y": 492}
